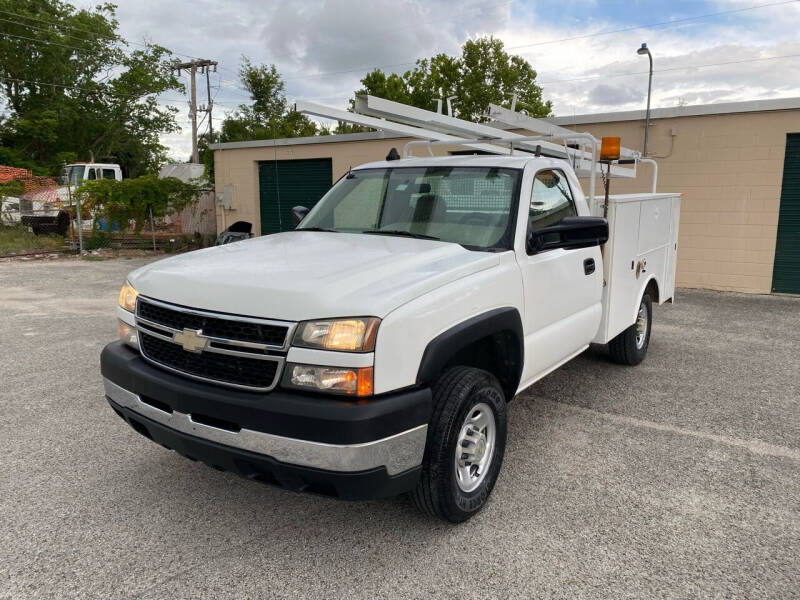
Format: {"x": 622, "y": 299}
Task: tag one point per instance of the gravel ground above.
{"x": 677, "y": 479}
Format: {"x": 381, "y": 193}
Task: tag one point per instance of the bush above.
{"x": 98, "y": 239}
{"x": 132, "y": 199}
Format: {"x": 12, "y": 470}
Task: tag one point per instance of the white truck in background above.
{"x": 373, "y": 350}
{"x": 76, "y": 173}
{"x": 49, "y": 210}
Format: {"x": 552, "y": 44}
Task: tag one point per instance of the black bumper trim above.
{"x": 362, "y": 485}
{"x": 289, "y": 414}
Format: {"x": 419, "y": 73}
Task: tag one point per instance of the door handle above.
{"x": 588, "y": 266}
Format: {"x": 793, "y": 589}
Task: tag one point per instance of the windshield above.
{"x": 471, "y": 206}
{"x": 72, "y": 175}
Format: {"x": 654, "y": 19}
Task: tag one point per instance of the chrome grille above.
{"x": 232, "y": 328}
{"x": 224, "y": 368}
{"x": 229, "y": 350}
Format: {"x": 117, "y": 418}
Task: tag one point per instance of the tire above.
{"x": 444, "y": 490}
{"x": 628, "y": 348}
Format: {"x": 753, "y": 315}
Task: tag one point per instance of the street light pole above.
{"x": 645, "y": 50}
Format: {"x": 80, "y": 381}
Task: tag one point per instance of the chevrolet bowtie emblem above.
{"x": 192, "y": 340}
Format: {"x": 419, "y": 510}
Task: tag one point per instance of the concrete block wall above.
{"x": 730, "y": 168}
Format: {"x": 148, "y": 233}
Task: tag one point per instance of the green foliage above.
{"x": 73, "y": 88}
{"x": 16, "y": 239}
{"x": 132, "y": 199}
{"x": 13, "y": 188}
{"x": 98, "y": 239}
{"x": 484, "y": 73}
{"x": 268, "y": 115}
{"x": 345, "y": 127}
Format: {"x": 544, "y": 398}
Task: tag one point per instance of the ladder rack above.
{"x": 436, "y": 129}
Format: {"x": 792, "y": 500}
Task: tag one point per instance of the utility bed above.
{"x": 643, "y": 238}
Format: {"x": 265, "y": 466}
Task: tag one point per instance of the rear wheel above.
{"x": 630, "y": 346}
{"x": 465, "y": 446}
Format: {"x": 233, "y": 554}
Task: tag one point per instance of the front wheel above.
{"x": 630, "y": 346}
{"x": 465, "y": 446}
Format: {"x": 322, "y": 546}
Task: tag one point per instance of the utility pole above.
{"x": 192, "y": 67}
{"x": 210, "y": 106}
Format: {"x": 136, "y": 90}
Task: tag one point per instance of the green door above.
{"x": 786, "y": 273}
{"x": 284, "y": 184}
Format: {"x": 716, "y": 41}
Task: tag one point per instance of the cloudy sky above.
{"x": 705, "y": 51}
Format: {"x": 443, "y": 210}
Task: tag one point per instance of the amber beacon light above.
{"x": 609, "y": 148}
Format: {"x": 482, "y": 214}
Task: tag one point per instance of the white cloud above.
{"x": 316, "y": 44}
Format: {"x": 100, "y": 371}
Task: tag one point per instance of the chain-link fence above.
{"x": 38, "y": 215}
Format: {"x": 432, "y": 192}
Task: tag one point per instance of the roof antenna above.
{"x": 393, "y": 154}
{"x": 349, "y": 172}
{"x": 538, "y": 150}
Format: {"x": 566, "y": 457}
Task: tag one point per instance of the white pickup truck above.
{"x": 373, "y": 350}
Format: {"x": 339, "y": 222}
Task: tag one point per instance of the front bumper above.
{"x": 300, "y": 441}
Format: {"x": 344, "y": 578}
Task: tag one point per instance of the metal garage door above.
{"x": 286, "y": 183}
{"x": 786, "y": 274}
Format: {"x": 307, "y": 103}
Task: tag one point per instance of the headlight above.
{"x": 338, "y": 380}
{"x": 348, "y": 335}
{"x": 128, "y": 334}
{"x": 127, "y": 297}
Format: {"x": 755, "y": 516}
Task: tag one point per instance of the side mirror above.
{"x": 298, "y": 214}
{"x": 569, "y": 233}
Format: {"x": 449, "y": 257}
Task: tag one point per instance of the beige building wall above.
{"x": 239, "y": 167}
{"x": 730, "y": 168}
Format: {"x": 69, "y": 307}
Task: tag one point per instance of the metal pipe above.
{"x": 530, "y": 138}
{"x": 460, "y": 142}
{"x": 650, "y": 161}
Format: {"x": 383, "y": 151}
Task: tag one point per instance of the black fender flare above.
{"x": 441, "y": 349}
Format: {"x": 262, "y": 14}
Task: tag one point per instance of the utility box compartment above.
{"x": 643, "y": 241}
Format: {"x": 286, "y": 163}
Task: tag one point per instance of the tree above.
{"x": 268, "y": 115}
{"x": 484, "y": 73}
{"x": 73, "y": 88}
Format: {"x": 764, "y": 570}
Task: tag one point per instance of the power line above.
{"x": 29, "y": 26}
{"x": 82, "y": 89}
{"x": 651, "y": 25}
{"x": 114, "y": 37}
{"x": 22, "y": 37}
{"x": 296, "y": 75}
{"x": 57, "y": 24}
{"x": 682, "y": 68}
{"x": 686, "y": 68}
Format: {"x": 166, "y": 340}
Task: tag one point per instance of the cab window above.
{"x": 551, "y": 200}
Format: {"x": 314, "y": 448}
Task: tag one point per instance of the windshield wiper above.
{"x": 402, "y": 232}
{"x": 315, "y": 229}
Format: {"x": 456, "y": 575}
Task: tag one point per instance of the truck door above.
{"x": 563, "y": 288}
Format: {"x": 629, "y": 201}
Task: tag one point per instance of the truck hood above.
{"x": 297, "y": 275}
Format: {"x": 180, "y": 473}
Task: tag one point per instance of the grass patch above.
{"x": 15, "y": 239}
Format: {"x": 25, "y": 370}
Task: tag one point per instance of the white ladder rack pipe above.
{"x": 650, "y": 161}
{"x": 511, "y": 141}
